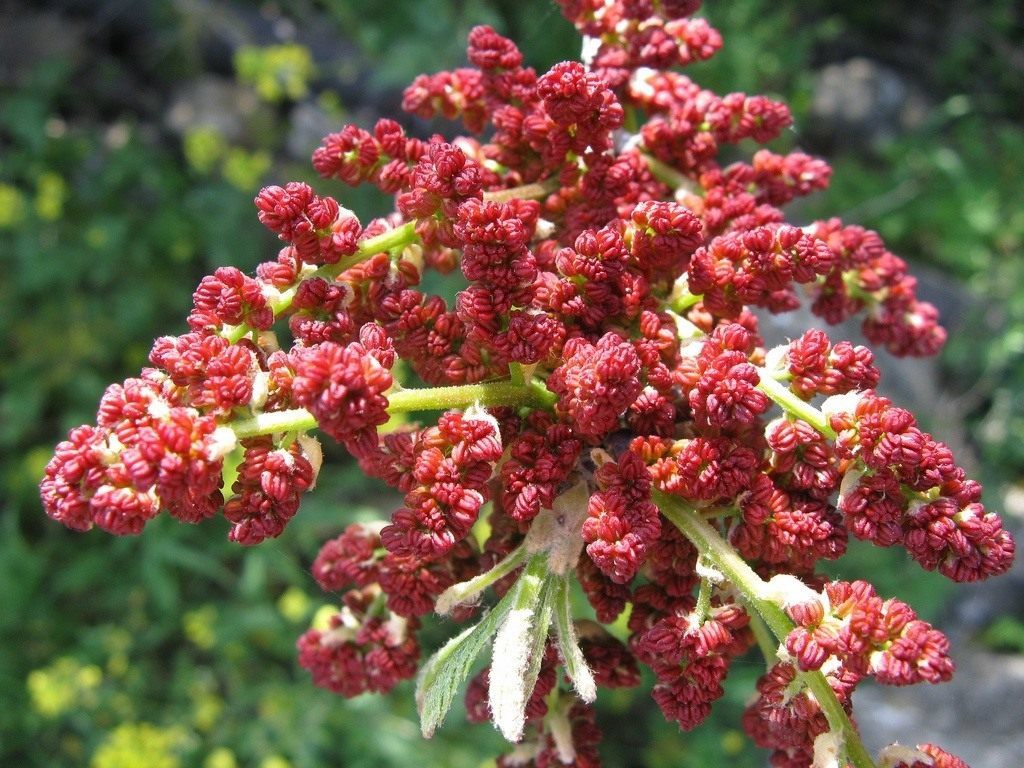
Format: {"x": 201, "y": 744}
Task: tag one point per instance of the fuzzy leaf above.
{"x": 443, "y": 674}
{"x": 569, "y": 644}
{"x": 518, "y": 653}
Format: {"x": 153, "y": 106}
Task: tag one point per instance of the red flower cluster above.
{"x": 689, "y": 653}
{"x": 930, "y": 756}
{"x": 315, "y": 226}
{"x": 343, "y": 387}
{"x": 623, "y": 522}
{"x": 600, "y": 364}
{"x": 786, "y": 719}
{"x": 911, "y": 491}
{"x": 270, "y": 485}
{"x": 868, "y": 636}
{"x": 361, "y": 650}
{"x": 596, "y": 383}
{"x": 445, "y": 471}
{"x": 147, "y": 451}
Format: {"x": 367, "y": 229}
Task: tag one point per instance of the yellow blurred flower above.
{"x": 277, "y": 72}
{"x": 222, "y": 757}
{"x": 131, "y": 745}
{"x": 733, "y": 742}
{"x": 199, "y": 627}
{"x": 51, "y": 192}
{"x": 206, "y": 711}
{"x": 244, "y": 170}
{"x": 322, "y": 617}
{"x": 63, "y": 685}
{"x": 204, "y": 147}
{"x": 12, "y": 207}
{"x": 294, "y": 604}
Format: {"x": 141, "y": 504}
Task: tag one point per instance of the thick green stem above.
{"x": 398, "y": 237}
{"x": 682, "y": 300}
{"x": 666, "y": 174}
{"x": 296, "y": 419}
{"x": 703, "y": 607}
{"x": 784, "y": 397}
{"x": 685, "y": 330}
{"x": 493, "y": 393}
{"x": 534, "y": 395}
{"x": 753, "y": 592}
{"x": 524, "y": 192}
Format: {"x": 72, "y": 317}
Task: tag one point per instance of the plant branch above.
{"x": 753, "y": 590}
{"x": 399, "y": 237}
{"x": 790, "y": 403}
{"x": 492, "y": 393}
{"x": 525, "y": 192}
{"x": 668, "y": 175}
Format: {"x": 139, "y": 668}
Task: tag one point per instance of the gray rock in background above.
{"x": 29, "y": 38}
{"x": 212, "y": 102}
{"x": 865, "y": 103}
{"x": 912, "y": 383}
{"x": 308, "y": 123}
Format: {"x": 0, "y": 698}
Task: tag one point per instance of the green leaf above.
{"x": 1005, "y": 634}
{"x": 569, "y": 645}
{"x": 445, "y": 671}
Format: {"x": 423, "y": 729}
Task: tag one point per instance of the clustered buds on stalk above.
{"x": 610, "y": 417}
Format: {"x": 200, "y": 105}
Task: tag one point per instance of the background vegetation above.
{"x": 132, "y": 140}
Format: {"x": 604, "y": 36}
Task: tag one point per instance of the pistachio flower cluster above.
{"x": 612, "y": 431}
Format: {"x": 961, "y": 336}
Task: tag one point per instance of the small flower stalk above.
{"x": 612, "y": 434}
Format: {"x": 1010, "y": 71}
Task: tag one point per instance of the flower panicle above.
{"x": 598, "y": 407}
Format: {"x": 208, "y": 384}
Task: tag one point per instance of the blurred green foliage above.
{"x": 277, "y": 72}
{"x": 176, "y": 648}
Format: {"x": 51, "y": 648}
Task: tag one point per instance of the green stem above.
{"x": 685, "y": 330}
{"x": 466, "y": 591}
{"x": 792, "y": 404}
{"x": 394, "y": 238}
{"x": 296, "y": 419}
{"x": 684, "y": 300}
{"x": 525, "y": 192}
{"x": 766, "y": 642}
{"x": 703, "y": 607}
{"x": 492, "y": 393}
{"x": 752, "y": 590}
{"x": 534, "y": 395}
{"x": 666, "y": 174}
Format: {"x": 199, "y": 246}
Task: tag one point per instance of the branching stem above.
{"x": 752, "y": 590}
{"x": 399, "y": 237}
{"x": 492, "y": 393}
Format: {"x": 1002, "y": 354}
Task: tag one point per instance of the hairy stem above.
{"x": 295, "y": 419}
{"x": 467, "y": 591}
{"x": 766, "y": 641}
{"x": 525, "y": 192}
{"x": 534, "y": 395}
{"x": 790, "y": 403}
{"x": 666, "y": 174}
{"x": 703, "y": 607}
{"x": 752, "y": 590}
{"x": 492, "y": 393}
{"x": 400, "y": 236}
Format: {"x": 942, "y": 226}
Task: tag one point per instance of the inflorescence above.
{"x": 611, "y": 422}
